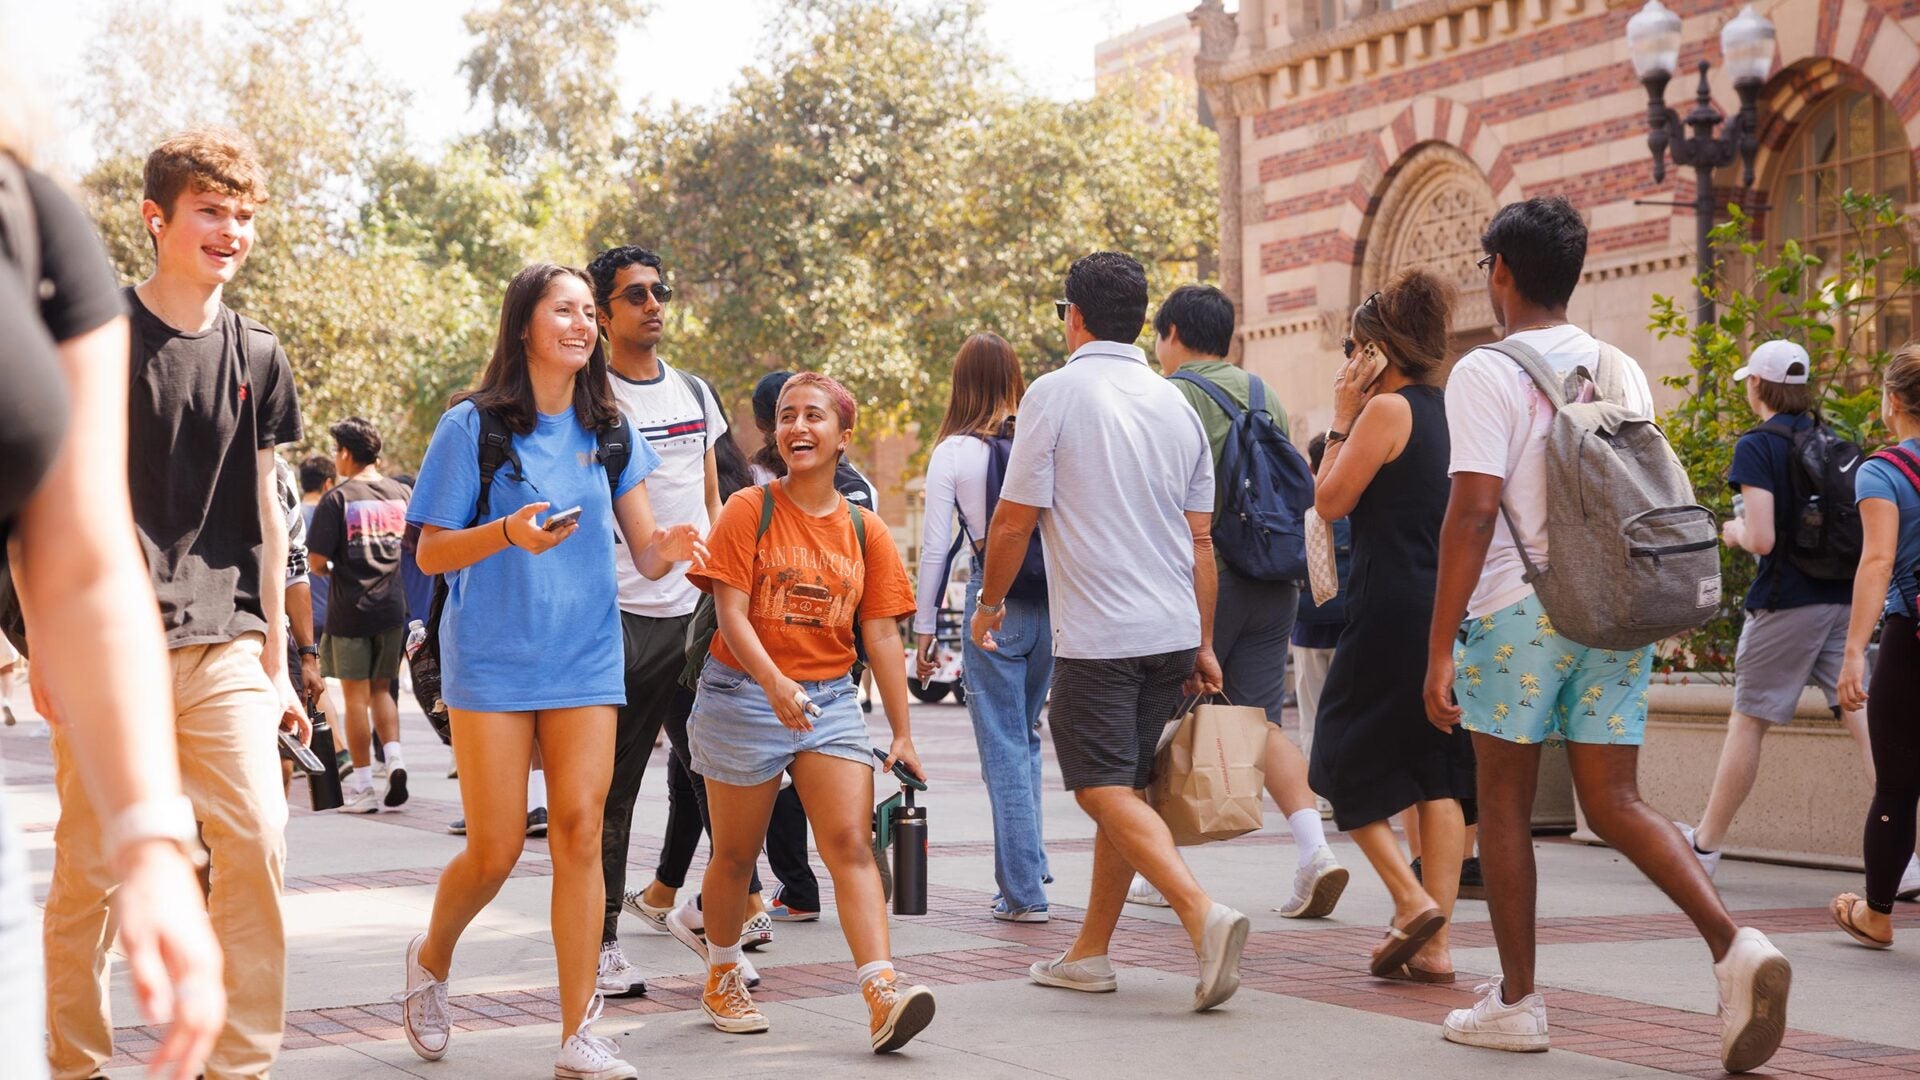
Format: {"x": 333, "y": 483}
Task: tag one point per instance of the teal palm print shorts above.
{"x": 1516, "y": 679}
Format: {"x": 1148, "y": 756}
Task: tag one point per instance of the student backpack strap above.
{"x": 1220, "y": 397}
{"x": 614, "y": 452}
{"x": 766, "y": 517}
{"x": 496, "y": 449}
{"x": 699, "y": 398}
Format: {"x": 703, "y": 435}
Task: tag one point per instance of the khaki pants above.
{"x": 230, "y": 768}
{"x": 1309, "y": 676}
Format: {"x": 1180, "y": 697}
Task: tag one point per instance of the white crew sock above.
{"x": 1308, "y": 834}
{"x": 870, "y": 972}
{"x": 537, "y": 790}
{"x": 360, "y": 780}
{"x": 721, "y": 955}
{"x": 394, "y": 761}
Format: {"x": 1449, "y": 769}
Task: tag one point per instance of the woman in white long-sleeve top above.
{"x": 1005, "y": 687}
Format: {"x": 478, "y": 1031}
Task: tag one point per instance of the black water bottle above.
{"x": 909, "y": 857}
{"x": 323, "y": 783}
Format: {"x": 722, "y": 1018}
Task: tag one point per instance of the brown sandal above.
{"x": 1842, "y": 911}
{"x": 1409, "y": 973}
{"x": 1403, "y": 942}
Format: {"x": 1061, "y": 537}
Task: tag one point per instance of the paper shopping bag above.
{"x": 1209, "y": 779}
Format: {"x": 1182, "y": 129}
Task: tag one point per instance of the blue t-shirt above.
{"x": 520, "y": 631}
{"x": 1763, "y": 461}
{"x": 1884, "y": 480}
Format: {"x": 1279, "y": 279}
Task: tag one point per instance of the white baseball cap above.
{"x": 1774, "y": 361}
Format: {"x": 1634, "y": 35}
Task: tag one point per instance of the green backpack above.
{"x": 706, "y": 621}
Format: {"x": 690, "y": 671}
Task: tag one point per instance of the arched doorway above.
{"x": 1850, "y": 139}
{"x": 1436, "y": 204}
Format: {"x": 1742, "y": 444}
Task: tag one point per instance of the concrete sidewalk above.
{"x": 1629, "y": 987}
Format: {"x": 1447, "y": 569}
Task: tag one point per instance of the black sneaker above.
{"x": 1473, "y": 886}
{"x": 537, "y": 821}
{"x": 458, "y": 826}
{"x": 396, "y": 788}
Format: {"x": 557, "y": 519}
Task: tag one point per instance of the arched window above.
{"x": 1430, "y": 219}
{"x": 1852, "y": 140}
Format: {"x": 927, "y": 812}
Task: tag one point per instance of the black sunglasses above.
{"x": 637, "y": 294}
{"x": 1486, "y": 264}
{"x": 1060, "y": 308}
{"x": 1347, "y": 347}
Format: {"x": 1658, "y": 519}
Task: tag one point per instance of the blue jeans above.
{"x": 1005, "y": 691}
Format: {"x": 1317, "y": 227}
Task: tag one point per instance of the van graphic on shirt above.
{"x": 809, "y": 592}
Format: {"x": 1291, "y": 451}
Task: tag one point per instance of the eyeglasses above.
{"x": 1060, "y": 308}
{"x": 1486, "y": 264}
{"x": 1347, "y": 347}
{"x": 637, "y": 294}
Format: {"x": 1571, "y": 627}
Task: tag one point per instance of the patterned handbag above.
{"x": 1323, "y": 572}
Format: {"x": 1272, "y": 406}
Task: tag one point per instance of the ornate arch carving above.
{"x": 1430, "y": 218}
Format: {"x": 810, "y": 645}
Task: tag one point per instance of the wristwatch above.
{"x": 1335, "y": 436}
{"x": 981, "y": 606}
{"x": 310, "y": 650}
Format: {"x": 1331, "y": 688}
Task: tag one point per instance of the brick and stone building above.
{"x": 1359, "y": 139}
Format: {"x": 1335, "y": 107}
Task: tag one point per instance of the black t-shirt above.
{"x": 76, "y": 294}
{"x": 1763, "y": 460}
{"x": 358, "y": 527}
{"x": 202, "y": 407}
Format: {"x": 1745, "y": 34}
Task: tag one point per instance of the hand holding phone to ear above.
{"x": 1359, "y": 378}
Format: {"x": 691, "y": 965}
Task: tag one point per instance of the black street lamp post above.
{"x": 1746, "y": 43}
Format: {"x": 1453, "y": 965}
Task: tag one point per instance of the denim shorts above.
{"x": 735, "y": 738}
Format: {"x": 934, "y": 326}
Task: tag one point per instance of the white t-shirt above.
{"x": 1115, "y": 459}
{"x": 680, "y": 429}
{"x": 956, "y": 477}
{"x": 1497, "y": 421}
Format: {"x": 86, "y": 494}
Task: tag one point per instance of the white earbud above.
{"x": 156, "y": 223}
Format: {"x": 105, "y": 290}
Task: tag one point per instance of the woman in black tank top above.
{"x": 1374, "y": 753}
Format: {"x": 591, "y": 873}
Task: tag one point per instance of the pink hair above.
{"x": 842, "y": 400}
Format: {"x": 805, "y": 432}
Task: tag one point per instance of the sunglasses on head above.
{"x": 637, "y": 294}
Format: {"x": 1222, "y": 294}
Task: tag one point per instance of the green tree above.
{"x": 544, "y": 67}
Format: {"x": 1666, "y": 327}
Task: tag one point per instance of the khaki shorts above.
{"x": 361, "y": 658}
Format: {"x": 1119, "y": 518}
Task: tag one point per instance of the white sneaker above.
{"x": 757, "y": 932}
{"x": 617, "y": 978}
{"x": 380, "y": 769}
{"x": 586, "y": 1056}
{"x": 1754, "y": 979}
{"x": 1219, "y": 954}
{"x": 423, "y": 1007}
{"x": 1316, "y": 887}
{"x": 688, "y": 928}
{"x": 1491, "y": 1023}
{"x": 1909, "y": 887}
{"x": 1143, "y": 892}
{"x": 1709, "y": 860}
{"x": 653, "y": 918}
{"x": 363, "y": 801}
{"x": 1093, "y": 975}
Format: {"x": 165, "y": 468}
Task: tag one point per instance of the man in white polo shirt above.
{"x": 1116, "y": 470}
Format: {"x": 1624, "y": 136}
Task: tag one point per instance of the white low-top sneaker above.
{"x": 1316, "y": 887}
{"x": 423, "y": 1007}
{"x": 617, "y": 978}
{"x": 1092, "y": 975}
{"x": 1143, "y": 892}
{"x": 586, "y": 1056}
{"x": 1221, "y": 943}
{"x": 1754, "y": 979}
{"x": 364, "y": 801}
{"x": 1709, "y": 860}
{"x": 1491, "y": 1023}
{"x": 653, "y": 918}
{"x": 1909, "y": 887}
{"x": 688, "y": 927}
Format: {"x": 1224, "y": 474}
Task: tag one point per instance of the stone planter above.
{"x": 1809, "y": 802}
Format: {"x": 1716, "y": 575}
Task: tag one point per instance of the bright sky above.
{"x": 687, "y": 50}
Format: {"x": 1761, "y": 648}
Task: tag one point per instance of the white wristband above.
{"x": 155, "y": 819}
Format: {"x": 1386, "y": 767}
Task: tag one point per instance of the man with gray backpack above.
{"x": 1572, "y": 543}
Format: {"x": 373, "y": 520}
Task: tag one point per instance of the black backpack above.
{"x": 1261, "y": 529}
{"x": 1030, "y": 581}
{"x": 1822, "y": 539}
{"x": 496, "y": 450}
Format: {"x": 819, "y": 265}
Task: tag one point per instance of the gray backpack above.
{"x": 1634, "y": 558}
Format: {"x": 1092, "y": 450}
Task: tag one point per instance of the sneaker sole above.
{"x": 1022, "y": 916}
{"x": 370, "y": 808}
{"x": 914, "y": 1016}
{"x": 1226, "y": 981}
{"x": 1498, "y": 1040}
{"x": 687, "y": 937}
{"x": 413, "y": 1040}
{"x": 561, "y": 1072}
{"x": 638, "y": 989}
{"x": 756, "y": 940}
{"x": 1041, "y": 975}
{"x": 1759, "y": 1038}
{"x": 396, "y": 789}
{"x": 734, "y": 1025}
{"x": 1327, "y": 889}
{"x": 798, "y": 916}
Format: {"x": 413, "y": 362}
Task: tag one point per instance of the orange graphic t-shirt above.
{"x": 807, "y": 586}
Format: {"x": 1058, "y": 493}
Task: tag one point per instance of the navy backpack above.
{"x": 1266, "y": 488}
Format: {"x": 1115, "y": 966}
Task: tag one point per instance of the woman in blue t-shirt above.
{"x": 530, "y": 643}
{"x": 1888, "y": 491}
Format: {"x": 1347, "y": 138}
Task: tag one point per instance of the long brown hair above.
{"x": 986, "y": 387}
{"x": 1408, "y": 320}
{"x": 505, "y": 388}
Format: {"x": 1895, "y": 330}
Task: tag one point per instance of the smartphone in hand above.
{"x": 556, "y": 522}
